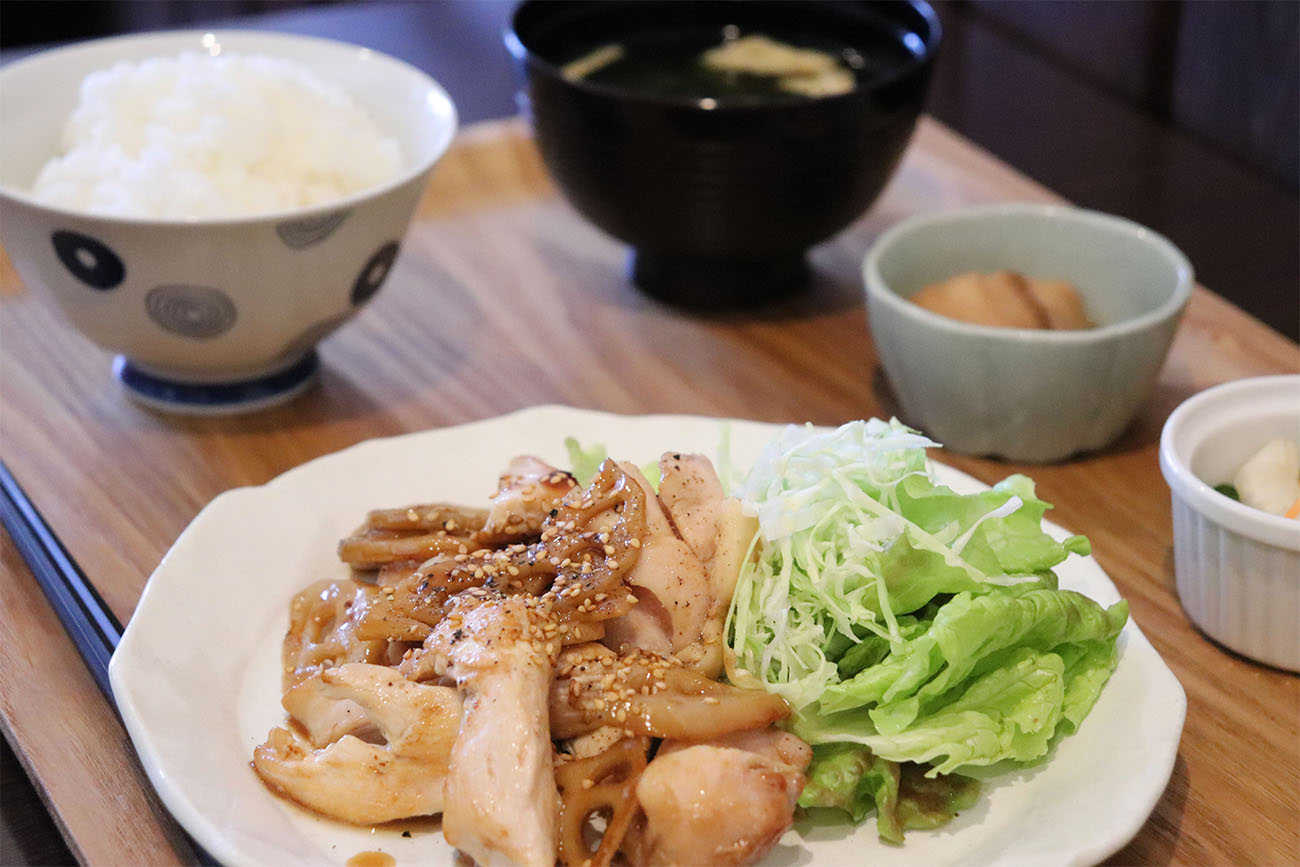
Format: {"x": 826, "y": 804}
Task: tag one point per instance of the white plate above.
{"x": 197, "y": 673}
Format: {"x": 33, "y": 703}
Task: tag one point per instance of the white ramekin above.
{"x": 1237, "y": 569}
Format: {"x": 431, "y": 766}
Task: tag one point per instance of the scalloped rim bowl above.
{"x": 1237, "y": 569}
{"x": 1020, "y": 394}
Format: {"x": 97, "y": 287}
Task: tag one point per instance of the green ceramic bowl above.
{"x": 1022, "y": 394}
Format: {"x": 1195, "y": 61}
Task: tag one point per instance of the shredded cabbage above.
{"x": 895, "y": 614}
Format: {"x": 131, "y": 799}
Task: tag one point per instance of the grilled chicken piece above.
{"x": 773, "y": 744}
{"x": 691, "y": 494}
{"x": 696, "y": 541}
{"x": 362, "y": 782}
{"x": 647, "y": 626}
{"x": 727, "y": 801}
{"x": 718, "y": 532}
{"x": 731, "y": 545}
{"x": 594, "y": 742}
{"x": 657, "y": 522}
{"x": 324, "y": 716}
{"x": 526, "y": 493}
{"x": 669, "y": 578}
{"x": 501, "y": 800}
{"x": 669, "y": 582}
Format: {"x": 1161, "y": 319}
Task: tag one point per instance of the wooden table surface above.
{"x": 504, "y": 298}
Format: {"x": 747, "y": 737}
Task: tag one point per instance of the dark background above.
{"x": 1180, "y": 114}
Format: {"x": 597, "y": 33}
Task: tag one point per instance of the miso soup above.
{"x": 678, "y": 64}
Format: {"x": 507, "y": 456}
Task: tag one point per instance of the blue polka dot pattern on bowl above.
{"x": 196, "y": 312}
{"x": 299, "y": 234}
{"x": 374, "y": 272}
{"x": 90, "y": 261}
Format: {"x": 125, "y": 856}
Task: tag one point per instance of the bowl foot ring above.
{"x": 718, "y": 283}
{"x": 217, "y": 398}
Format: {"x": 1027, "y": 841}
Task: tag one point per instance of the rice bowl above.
{"x": 215, "y": 314}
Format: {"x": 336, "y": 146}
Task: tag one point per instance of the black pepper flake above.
{"x": 406, "y": 833}
{"x": 457, "y": 635}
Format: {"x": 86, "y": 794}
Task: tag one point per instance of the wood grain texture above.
{"x": 504, "y": 298}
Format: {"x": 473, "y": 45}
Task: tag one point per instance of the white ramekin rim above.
{"x": 1201, "y": 496}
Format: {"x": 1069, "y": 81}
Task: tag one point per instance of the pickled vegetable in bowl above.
{"x": 1269, "y": 480}
{"x": 1006, "y": 299}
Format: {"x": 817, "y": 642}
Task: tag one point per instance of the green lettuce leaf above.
{"x": 1013, "y": 544}
{"x": 966, "y": 630}
{"x": 584, "y": 462}
{"x": 1011, "y": 712}
{"x": 850, "y": 779}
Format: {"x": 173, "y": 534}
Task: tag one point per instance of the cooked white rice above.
{"x": 196, "y": 136}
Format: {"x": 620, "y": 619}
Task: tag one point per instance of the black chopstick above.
{"x": 89, "y": 622}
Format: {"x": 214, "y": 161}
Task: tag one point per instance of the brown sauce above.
{"x": 372, "y": 859}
